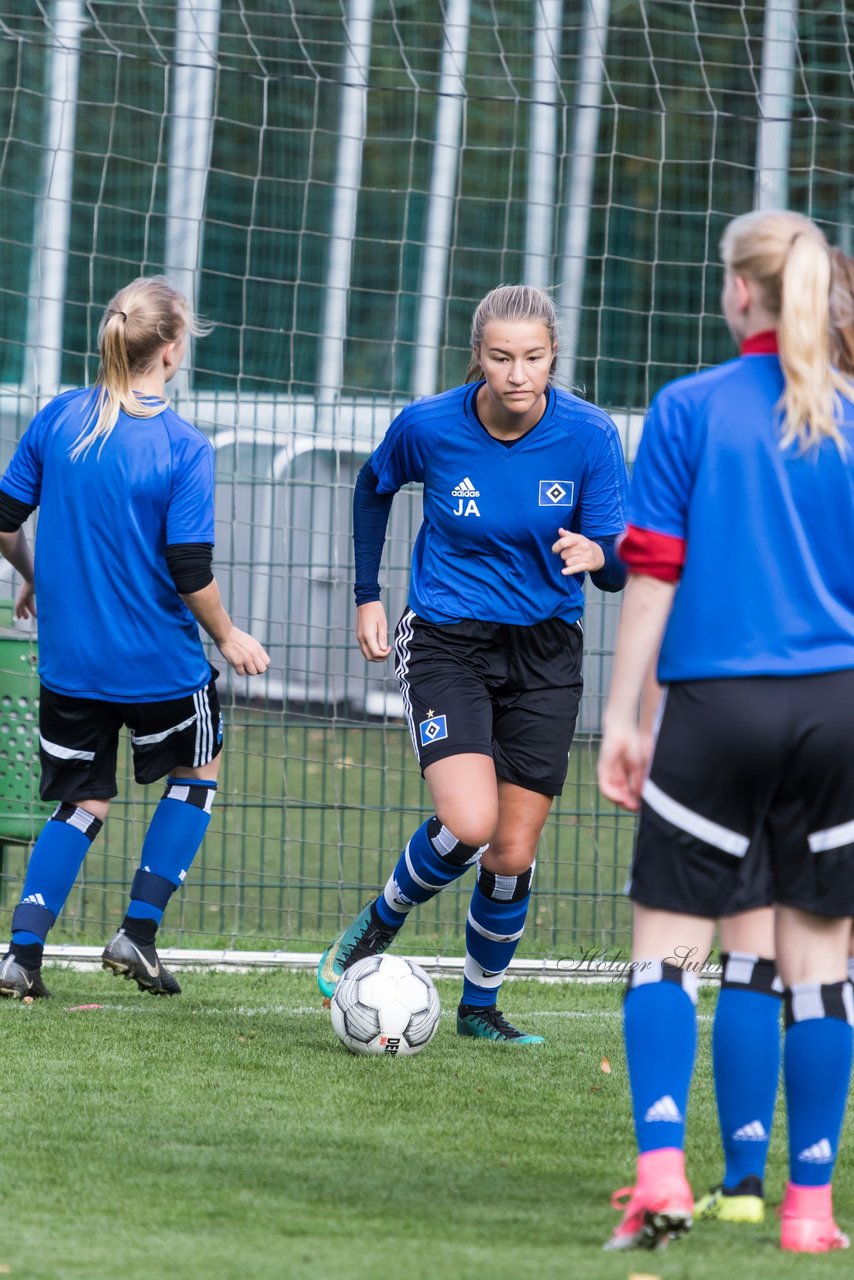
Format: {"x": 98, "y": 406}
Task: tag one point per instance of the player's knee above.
{"x": 201, "y": 773}
{"x": 97, "y": 809}
{"x": 510, "y": 860}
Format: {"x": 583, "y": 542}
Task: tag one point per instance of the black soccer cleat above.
{"x": 17, "y": 982}
{"x": 134, "y": 960}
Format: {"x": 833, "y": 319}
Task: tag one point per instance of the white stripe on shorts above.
{"x": 831, "y": 838}
{"x": 694, "y": 823}
{"x": 204, "y": 728}
{"x": 146, "y": 739}
{"x": 401, "y": 646}
{"x": 64, "y": 753}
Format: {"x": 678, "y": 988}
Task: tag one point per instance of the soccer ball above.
{"x": 386, "y": 1005}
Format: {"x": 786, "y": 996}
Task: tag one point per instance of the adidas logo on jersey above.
{"x": 465, "y": 489}
{"x": 665, "y": 1109}
{"x": 33, "y": 900}
{"x": 753, "y": 1132}
{"x": 820, "y": 1152}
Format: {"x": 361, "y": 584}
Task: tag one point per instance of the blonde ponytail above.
{"x": 810, "y": 401}
{"x": 789, "y": 258}
{"x": 842, "y": 312}
{"x": 141, "y": 318}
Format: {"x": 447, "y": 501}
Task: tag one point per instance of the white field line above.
{"x": 227, "y": 961}
{"x": 301, "y": 1011}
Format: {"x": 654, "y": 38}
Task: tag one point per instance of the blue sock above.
{"x": 172, "y": 841}
{"x": 746, "y": 1056}
{"x": 817, "y": 1070}
{"x": 53, "y": 867}
{"x": 659, "y": 1019}
{"x": 433, "y": 859}
{"x": 496, "y": 922}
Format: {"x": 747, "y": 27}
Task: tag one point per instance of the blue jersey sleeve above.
{"x": 603, "y": 498}
{"x": 398, "y": 459}
{"x": 663, "y": 474}
{"x": 190, "y": 517}
{"x": 23, "y": 476}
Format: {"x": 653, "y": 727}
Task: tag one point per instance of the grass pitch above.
{"x": 309, "y": 820}
{"x": 226, "y": 1135}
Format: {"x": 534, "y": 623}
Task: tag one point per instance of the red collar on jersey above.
{"x": 761, "y": 344}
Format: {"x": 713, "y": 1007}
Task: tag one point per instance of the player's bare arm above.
{"x": 240, "y": 650}
{"x": 15, "y": 548}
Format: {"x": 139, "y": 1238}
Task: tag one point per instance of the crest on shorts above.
{"x": 557, "y": 493}
{"x": 433, "y": 730}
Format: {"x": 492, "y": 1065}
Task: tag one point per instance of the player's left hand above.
{"x": 579, "y": 554}
{"x": 623, "y": 764}
{"x": 25, "y": 604}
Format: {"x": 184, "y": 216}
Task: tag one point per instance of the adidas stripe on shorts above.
{"x": 750, "y": 798}
{"x": 79, "y": 737}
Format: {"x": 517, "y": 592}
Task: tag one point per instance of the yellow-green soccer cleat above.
{"x": 716, "y": 1206}
{"x": 489, "y": 1023}
{"x": 366, "y": 936}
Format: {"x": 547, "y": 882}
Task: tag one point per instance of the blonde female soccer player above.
{"x": 524, "y": 490}
{"x": 742, "y": 515}
{"x": 746, "y": 1033}
{"x": 123, "y": 579}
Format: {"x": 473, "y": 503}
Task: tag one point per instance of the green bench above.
{"x": 22, "y": 813}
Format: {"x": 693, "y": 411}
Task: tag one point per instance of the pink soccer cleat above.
{"x": 659, "y": 1205}
{"x": 807, "y": 1224}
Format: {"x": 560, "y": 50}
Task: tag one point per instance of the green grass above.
{"x": 308, "y": 822}
{"x": 226, "y": 1135}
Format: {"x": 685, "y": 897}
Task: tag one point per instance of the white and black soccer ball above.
{"x": 385, "y": 1005}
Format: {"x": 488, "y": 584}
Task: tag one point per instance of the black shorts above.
{"x": 488, "y": 688}
{"x": 750, "y": 798}
{"x": 79, "y": 740}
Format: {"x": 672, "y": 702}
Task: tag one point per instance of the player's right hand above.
{"x": 25, "y": 604}
{"x": 623, "y": 766}
{"x": 372, "y": 631}
{"x": 243, "y": 652}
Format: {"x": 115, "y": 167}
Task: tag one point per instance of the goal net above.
{"x": 336, "y": 183}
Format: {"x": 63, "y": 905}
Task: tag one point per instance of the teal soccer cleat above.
{"x": 489, "y": 1023}
{"x": 366, "y": 936}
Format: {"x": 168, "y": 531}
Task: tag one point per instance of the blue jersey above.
{"x": 492, "y": 512}
{"x": 767, "y": 586}
{"x": 111, "y": 623}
